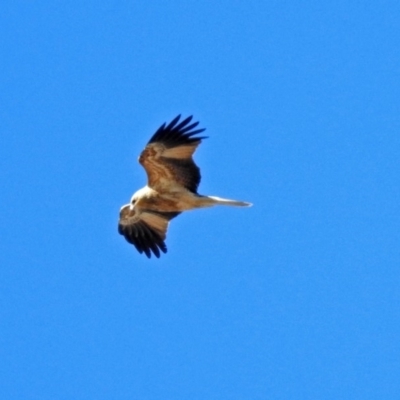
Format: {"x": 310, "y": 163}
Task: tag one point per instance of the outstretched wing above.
{"x": 146, "y": 230}
{"x": 167, "y": 158}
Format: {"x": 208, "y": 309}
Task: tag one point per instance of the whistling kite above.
{"x": 172, "y": 181}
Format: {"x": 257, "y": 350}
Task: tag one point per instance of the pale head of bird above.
{"x": 135, "y": 199}
{"x": 132, "y": 203}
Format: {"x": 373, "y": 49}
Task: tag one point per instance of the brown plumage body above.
{"x": 173, "y": 178}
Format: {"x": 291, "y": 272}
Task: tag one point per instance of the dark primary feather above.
{"x": 143, "y": 237}
{"x": 177, "y": 134}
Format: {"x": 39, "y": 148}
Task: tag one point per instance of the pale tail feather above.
{"x": 227, "y": 202}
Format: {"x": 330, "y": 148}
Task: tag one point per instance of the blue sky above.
{"x": 295, "y": 298}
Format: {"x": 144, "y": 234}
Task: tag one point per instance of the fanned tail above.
{"x": 228, "y": 202}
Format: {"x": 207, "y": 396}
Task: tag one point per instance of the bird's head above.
{"x": 132, "y": 203}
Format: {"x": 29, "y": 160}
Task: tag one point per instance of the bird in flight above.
{"x": 172, "y": 182}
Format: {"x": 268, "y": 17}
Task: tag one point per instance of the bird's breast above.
{"x": 168, "y": 202}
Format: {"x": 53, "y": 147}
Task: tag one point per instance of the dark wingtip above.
{"x": 173, "y": 122}
{"x": 177, "y": 133}
{"x": 144, "y": 239}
